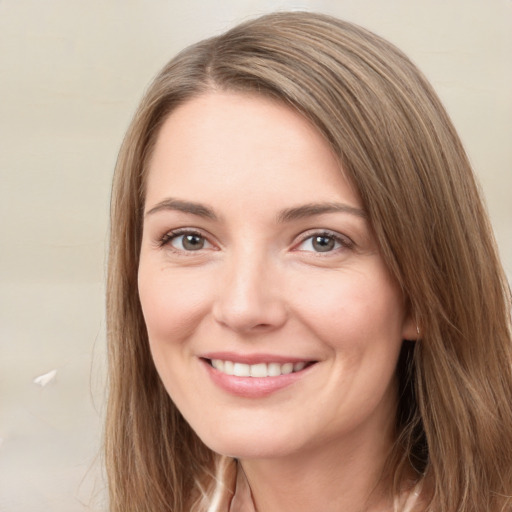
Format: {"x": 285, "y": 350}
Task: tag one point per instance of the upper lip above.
{"x": 254, "y": 358}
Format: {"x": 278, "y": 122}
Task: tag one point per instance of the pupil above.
{"x": 323, "y": 243}
{"x": 193, "y": 242}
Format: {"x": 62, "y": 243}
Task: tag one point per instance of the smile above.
{"x": 254, "y": 375}
{"x": 257, "y": 370}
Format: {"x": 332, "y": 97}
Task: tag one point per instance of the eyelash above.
{"x": 342, "y": 241}
{"x": 168, "y": 237}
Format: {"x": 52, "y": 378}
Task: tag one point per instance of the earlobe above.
{"x": 411, "y": 329}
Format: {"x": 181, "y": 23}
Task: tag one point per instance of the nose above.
{"x": 249, "y": 298}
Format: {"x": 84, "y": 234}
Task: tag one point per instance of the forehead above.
{"x": 244, "y": 145}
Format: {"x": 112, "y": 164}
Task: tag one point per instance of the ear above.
{"x": 410, "y": 329}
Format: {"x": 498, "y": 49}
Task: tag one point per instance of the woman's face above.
{"x": 272, "y": 319}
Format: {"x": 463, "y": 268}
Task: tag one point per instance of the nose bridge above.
{"x": 248, "y": 297}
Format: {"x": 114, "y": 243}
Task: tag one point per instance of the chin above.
{"x": 249, "y": 445}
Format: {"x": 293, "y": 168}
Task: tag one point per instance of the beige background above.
{"x": 71, "y": 74}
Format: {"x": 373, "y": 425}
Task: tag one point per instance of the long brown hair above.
{"x": 398, "y": 146}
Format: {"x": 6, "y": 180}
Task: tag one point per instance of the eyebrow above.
{"x": 198, "y": 209}
{"x": 312, "y": 209}
{"x": 287, "y": 215}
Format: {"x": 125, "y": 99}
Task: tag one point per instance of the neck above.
{"x": 343, "y": 475}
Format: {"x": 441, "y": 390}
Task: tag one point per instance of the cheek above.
{"x": 352, "y": 310}
{"x": 173, "y": 306}
{"x": 171, "y": 302}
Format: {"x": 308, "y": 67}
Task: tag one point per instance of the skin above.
{"x": 259, "y": 285}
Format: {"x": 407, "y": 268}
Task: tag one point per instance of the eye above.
{"x": 323, "y": 242}
{"x": 186, "y": 241}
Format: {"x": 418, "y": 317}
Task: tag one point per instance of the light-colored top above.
{"x": 242, "y": 499}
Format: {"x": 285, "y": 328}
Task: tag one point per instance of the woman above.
{"x": 306, "y": 308}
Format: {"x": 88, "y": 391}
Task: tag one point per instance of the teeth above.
{"x": 256, "y": 370}
{"x": 229, "y": 367}
{"x": 297, "y": 367}
{"x": 287, "y": 368}
{"x": 241, "y": 370}
{"x": 273, "y": 369}
{"x": 218, "y": 364}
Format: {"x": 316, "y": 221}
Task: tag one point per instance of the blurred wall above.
{"x": 71, "y": 74}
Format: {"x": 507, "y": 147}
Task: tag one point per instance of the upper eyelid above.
{"x": 185, "y": 231}
{"x": 172, "y": 234}
{"x": 326, "y": 232}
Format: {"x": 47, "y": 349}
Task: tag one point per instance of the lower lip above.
{"x": 253, "y": 387}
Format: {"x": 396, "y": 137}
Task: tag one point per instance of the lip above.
{"x": 253, "y": 387}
